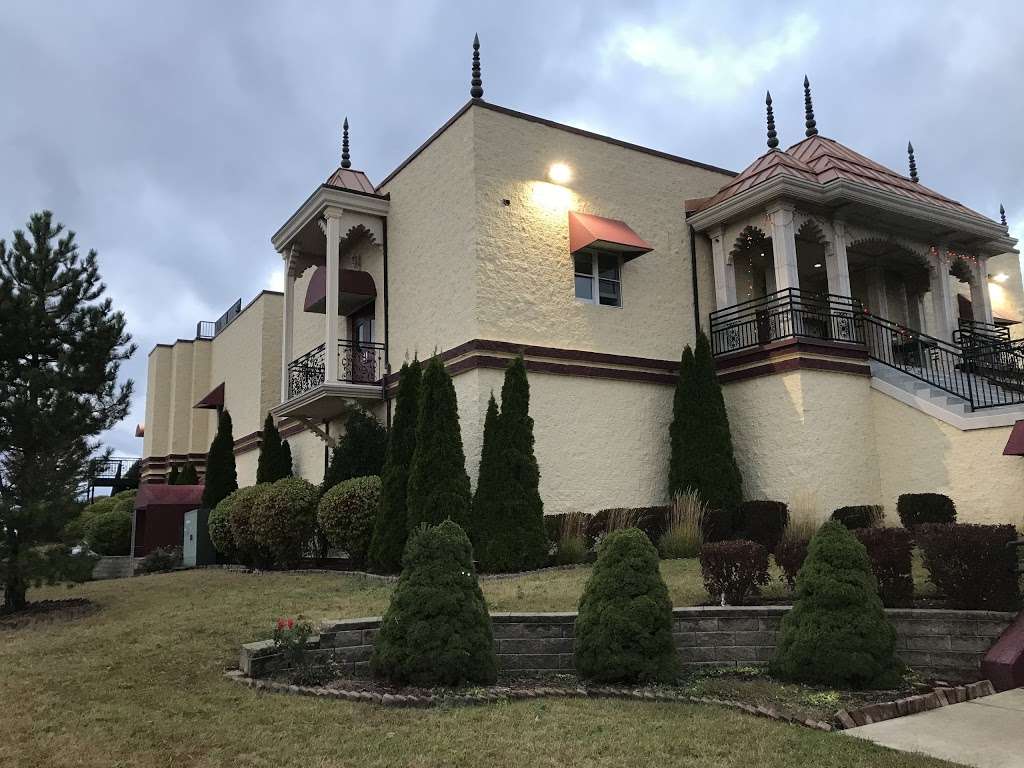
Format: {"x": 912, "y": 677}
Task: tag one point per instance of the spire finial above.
{"x": 809, "y": 122}
{"x": 1002, "y": 215}
{"x": 345, "y": 161}
{"x": 773, "y": 137}
{"x": 913, "y": 163}
{"x": 476, "y": 89}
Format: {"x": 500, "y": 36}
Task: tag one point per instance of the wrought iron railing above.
{"x": 975, "y": 332}
{"x": 359, "y": 362}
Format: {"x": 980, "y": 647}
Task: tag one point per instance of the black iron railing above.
{"x": 359, "y": 362}
{"x": 971, "y": 332}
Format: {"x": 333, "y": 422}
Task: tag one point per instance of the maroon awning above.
{"x": 586, "y": 229}
{"x": 1015, "y": 445}
{"x": 214, "y": 399}
{"x": 355, "y": 289}
{"x": 158, "y": 494}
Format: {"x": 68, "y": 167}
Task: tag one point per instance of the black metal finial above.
{"x": 913, "y": 163}
{"x": 1002, "y": 215}
{"x": 476, "y": 84}
{"x": 345, "y": 162}
{"x": 809, "y": 122}
{"x": 773, "y": 137}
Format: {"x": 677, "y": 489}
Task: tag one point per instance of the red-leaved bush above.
{"x": 890, "y": 551}
{"x": 971, "y": 564}
{"x": 733, "y": 569}
{"x": 789, "y": 556}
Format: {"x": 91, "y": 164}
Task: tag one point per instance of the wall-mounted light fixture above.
{"x": 817, "y": 266}
{"x": 1002, "y": 277}
{"x": 560, "y": 173}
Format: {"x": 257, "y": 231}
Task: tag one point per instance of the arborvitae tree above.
{"x": 624, "y": 628}
{"x": 492, "y": 487}
{"x": 391, "y": 528}
{"x": 286, "y": 459}
{"x": 172, "y": 476}
{"x": 511, "y": 500}
{"x": 221, "y": 477}
{"x": 437, "y": 630}
{"x": 360, "y": 451}
{"x": 188, "y": 475}
{"x": 275, "y": 460}
{"x": 61, "y": 346}
{"x": 131, "y": 478}
{"x": 837, "y": 633}
{"x": 702, "y": 455}
{"x": 438, "y": 483}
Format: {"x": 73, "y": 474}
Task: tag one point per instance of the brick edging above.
{"x": 940, "y": 697}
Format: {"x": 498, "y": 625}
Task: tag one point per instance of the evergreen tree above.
{"x": 489, "y": 507}
{"x": 61, "y": 347}
{"x": 188, "y": 475}
{"x": 221, "y": 477}
{"x": 275, "y": 461}
{"x": 172, "y": 476}
{"x": 513, "y": 537}
{"x": 390, "y": 529}
{"x": 360, "y": 451}
{"x": 438, "y": 483}
{"x": 682, "y": 470}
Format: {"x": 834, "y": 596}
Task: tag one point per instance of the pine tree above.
{"x": 360, "y": 451}
{"x": 221, "y": 477}
{"x": 275, "y": 460}
{"x": 172, "y": 476}
{"x": 492, "y": 486}
{"x": 286, "y": 459}
{"x": 60, "y": 352}
{"x": 510, "y": 502}
{"x": 390, "y": 529}
{"x": 188, "y": 475}
{"x": 438, "y": 483}
{"x": 682, "y": 470}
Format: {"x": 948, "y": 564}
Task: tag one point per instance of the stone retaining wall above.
{"x": 112, "y": 568}
{"x": 937, "y": 643}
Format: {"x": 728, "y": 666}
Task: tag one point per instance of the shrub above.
{"x": 624, "y": 628}
{"x": 275, "y": 461}
{"x": 733, "y": 569}
{"x": 291, "y": 636}
{"x": 860, "y": 516}
{"x": 790, "y": 556}
{"x": 837, "y": 633}
{"x": 159, "y": 560}
{"x": 917, "y": 509}
{"x": 188, "y": 475}
{"x": 685, "y": 533}
{"x": 75, "y": 529}
{"x": 651, "y": 520}
{"x": 238, "y": 509}
{"x": 346, "y": 515}
{"x": 718, "y": 525}
{"x": 890, "y": 551}
{"x": 283, "y": 519}
{"x": 110, "y": 533}
{"x": 971, "y": 564}
{"x": 761, "y": 521}
{"x": 221, "y": 478}
{"x": 218, "y": 524}
{"x": 437, "y": 630}
{"x": 360, "y": 451}
{"x": 571, "y": 539}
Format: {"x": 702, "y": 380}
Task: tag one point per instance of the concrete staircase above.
{"x": 942, "y": 405}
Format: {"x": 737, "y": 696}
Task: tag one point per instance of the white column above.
{"x": 725, "y": 271}
{"x": 287, "y": 327}
{"x": 333, "y": 273}
{"x": 878, "y": 296}
{"x": 784, "y": 247}
{"x": 981, "y": 300}
{"x": 836, "y": 263}
{"x": 943, "y": 296}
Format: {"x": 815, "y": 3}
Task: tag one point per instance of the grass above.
{"x": 139, "y": 684}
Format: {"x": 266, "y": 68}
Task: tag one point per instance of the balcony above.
{"x": 361, "y": 373}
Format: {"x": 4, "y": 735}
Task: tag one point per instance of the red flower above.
{"x": 291, "y": 624}
{"x": 280, "y": 624}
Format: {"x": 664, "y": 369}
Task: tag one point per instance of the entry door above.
{"x": 364, "y": 355}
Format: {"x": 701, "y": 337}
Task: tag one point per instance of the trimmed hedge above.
{"x": 218, "y": 525}
{"x": 437, "y": 630}
{"x": 790, "y": 556}
{"x": 346, "y": 515}
{"x": 624, "y": 627}
{"x": 891, "y": 553}
{"x": 837, "y": 633}
{"x": 761, "y": 521}
{"x": 733, "y": 569}
{"x": 238, "y": 508}
{"x": 860, "y": 516}
{"x": 110, "y": 533}
{"x": 972, "y": 565}
{"x": 283, "y": 519}
{"x": 917, "y": 509}
{"x": 719, "y": 525}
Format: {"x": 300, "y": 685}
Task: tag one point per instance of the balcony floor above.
{"x": 329, "y": 400}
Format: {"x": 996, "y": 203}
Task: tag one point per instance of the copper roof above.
{"x": 823, "y": 160}
{"x": 353, "y": 181}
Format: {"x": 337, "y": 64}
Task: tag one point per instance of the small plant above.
{"x": 972, "y": 565}
{"x": 571, "y": 545}
{"x": 347, "y": 513}
{"x": 761, "y": 521}
{"x": 291, "y": 638}
{"x": 685, "y": 531}
{"x": 860, "y": 516}
{"x": 805, "y": 517}
{"x": 621, "y": 518}
{"x": 159, "y": 560}
{"x": 917, "y": 509}
{"x": 733, "y": 569}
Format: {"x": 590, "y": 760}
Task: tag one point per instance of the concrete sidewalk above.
{"x": 986, "y": 732}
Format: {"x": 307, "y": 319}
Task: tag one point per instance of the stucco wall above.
{"x": 156, "y": 441}
{"x": 1008, "y": 296}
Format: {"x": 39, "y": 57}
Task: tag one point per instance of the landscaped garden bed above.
{"x": 45, "y": 611}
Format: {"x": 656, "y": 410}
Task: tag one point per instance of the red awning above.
{"x": 586, "y": 229}
{"x": 356, "y": 289}
{"x": 1015, "y": 445}
{"x": 215, "y": 398}
{"x": 159, "y": 495}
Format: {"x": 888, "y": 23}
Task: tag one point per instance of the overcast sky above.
{"x": 174, "y": 138}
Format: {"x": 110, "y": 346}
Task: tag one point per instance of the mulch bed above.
{"x": 46, "y": 611}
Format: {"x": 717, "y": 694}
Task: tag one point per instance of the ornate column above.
{"x": 835, "y": 261}
{"x": 981, "y": 300}
{"x": 942, "y": 295}
{"x": 878, "y": 296}
{"x": 333, "y": 232}
{"x": 288, "y": 324}
{"x": 725, "y": 273}
{"x": 784, "y": 247}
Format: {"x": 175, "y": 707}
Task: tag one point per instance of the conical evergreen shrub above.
{"x": 221, "y": 477}
{"x": 390, "y": 529}
{"x": 188, "y": 475}
{"x": 837, "y": 633}
{"x": 682, "y": 469}
{"x": 624, "y": 628}
{"x": 360, "y": 451}
{"x": 275, "y": 461}
{"x": 438, "y": 483}
{"x": 286, "y": 459}
{"x": 437, "y": 630}
{"x": 172, "y": 476}
{"x": 490, "y": 498}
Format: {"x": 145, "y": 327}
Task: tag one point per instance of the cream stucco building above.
{"x": 863, "y": 324}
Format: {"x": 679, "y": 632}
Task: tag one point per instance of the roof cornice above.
{"x": 325, "y": 197}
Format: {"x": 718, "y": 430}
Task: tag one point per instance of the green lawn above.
{"x": 139, "y": 684}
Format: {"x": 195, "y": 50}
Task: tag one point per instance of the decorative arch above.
{"x": 750, "y": 237}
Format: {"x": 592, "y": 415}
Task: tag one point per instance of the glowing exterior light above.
{"x": 560, "y": 173}
{"x": 817, "y": 266}
{"x": 1002, "y": 277}
{"x": 552, "y": 198}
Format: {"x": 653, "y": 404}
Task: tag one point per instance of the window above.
{"x": 598, "y": 277}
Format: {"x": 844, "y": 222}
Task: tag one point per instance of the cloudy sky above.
{"x": 174, "y": 138}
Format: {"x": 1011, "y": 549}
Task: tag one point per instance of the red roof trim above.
{"x": 586, "y": 229}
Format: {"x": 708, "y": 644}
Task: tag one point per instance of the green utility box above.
{"x": 196, "y": 547}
